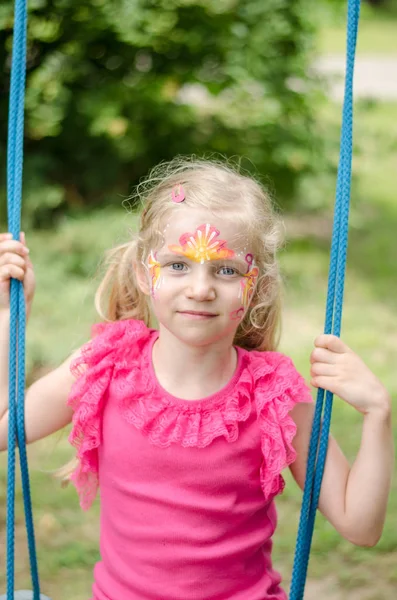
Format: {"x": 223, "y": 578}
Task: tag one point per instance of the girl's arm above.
{"x": 45, "y": 401}
{"x": 353, "y": 498}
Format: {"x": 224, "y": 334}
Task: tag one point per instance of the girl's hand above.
{"x": 336, "y": 368}
{"x": 15, "y": 262}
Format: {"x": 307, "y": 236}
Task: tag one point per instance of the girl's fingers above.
{"x": 8, "y": 236}
{"x": 323, "y": 355}
{"x": 29, "y": 264}
{"x": 8, "y": 271}
{"x": 14, "y": 247}
{"x": 324, "y": 382}
{"x": 323, "y": 369}
{"x": 5, "y": 236}
{"x": 12, "y": 259}
{"x": 332, "y": 343}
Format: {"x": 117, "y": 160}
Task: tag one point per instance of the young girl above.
{"x": 186, "y": 428}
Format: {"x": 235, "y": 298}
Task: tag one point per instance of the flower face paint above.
{"x": 154, "y": 271}
{"x": 248, "y": 285}
{"x": 247, "y": 288}
{"x": 200, "y": 265}
{"x": 203, "y": 245}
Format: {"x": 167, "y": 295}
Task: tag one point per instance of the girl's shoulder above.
{"x": 112, "y": 341}
{"x": 277, "y": 388}
{"x": 114, "y": 349}
{"x": 274, "y": 374}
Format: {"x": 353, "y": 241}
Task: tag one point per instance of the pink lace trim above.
{"x": 277, "y": 392}
{"x": 117, "y": 355}
{"x": 196, "y": 424}
{"x": 94, "y": 371}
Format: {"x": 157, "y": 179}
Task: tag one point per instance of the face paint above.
{"x": 248, "y": 285}
{"x": 154, "y": 271}
{"x": 237, "y": 314}
{"x": 247, "y": 288}
{"x": 202, "y": 245}
{"x": 249, "y": 259}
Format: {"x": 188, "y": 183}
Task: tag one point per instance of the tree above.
{"x": 107, "y": 83}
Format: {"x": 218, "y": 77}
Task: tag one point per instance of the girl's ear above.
{"x": 142, "y": 278}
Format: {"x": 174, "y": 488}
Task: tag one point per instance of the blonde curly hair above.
{"x": 222, "y": 189}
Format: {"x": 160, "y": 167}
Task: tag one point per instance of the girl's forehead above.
{"x": 200, "y": 223}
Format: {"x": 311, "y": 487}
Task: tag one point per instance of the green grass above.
{"x": 377, "y": 30}
{"x": 66, "y": 263}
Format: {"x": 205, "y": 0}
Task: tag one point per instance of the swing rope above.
{"x": 16, "y": 426}
{"x": 320, "y": 433}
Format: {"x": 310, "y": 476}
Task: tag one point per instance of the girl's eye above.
{"x": 177, "y": 266}
{"x": 228, "y": 271}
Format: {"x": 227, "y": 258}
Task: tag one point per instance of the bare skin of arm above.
{"x": 353, "y": 498}
{"x": 46, "y": 410}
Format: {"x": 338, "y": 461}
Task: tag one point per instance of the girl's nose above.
{"x": 201, "y": 287}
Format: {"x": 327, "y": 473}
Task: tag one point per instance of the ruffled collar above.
{"x": 166, "y": 419}
{"x": 117, "y": 364}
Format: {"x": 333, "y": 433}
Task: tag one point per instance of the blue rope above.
{"x": 16, "y": 428}
{"x": 320, "y": 434}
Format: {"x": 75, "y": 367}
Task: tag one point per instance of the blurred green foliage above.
{"x": 114, "y": 87}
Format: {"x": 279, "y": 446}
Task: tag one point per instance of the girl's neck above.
{"x": 190, "y": 372}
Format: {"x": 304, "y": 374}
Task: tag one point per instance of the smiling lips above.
{"x": 200, "y": 313}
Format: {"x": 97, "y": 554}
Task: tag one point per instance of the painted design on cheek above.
{"x": 248, "y": 285}
{"x": 202, "y": 245}
{"x": 236, "y": 315}
{"x": 249, "y": 259}
{"x": 154, "y": 271}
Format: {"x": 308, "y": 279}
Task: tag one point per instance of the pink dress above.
{"x": 186, "y": 487}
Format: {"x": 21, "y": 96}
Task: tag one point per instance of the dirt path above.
{"x": 374, "y": 77}
{"x": 329, "y": 590}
